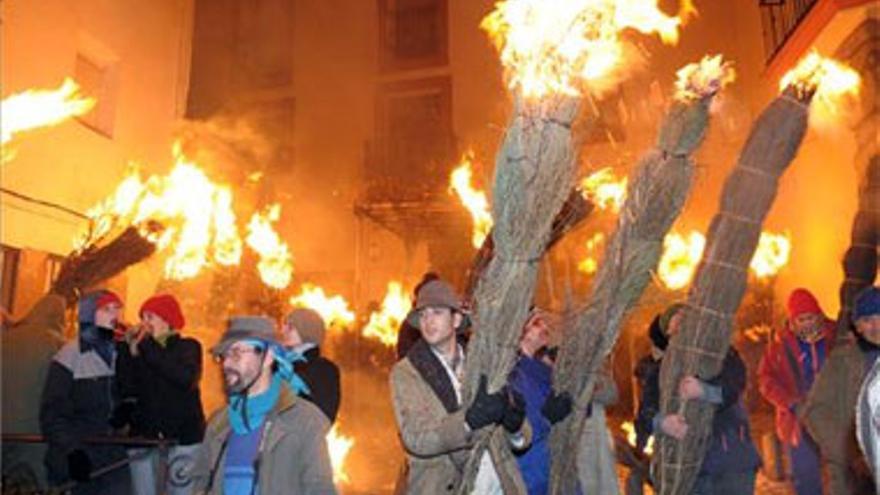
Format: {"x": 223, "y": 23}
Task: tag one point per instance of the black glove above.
{"x": 79, "y": 466}
{"x": 122, "y": 415}
{"x": 557, "y": 407}
{"x": 487, "y": 408}
{"x": 515, "y": 413}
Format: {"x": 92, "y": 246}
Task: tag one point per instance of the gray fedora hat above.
{"x": 246, "y": 328}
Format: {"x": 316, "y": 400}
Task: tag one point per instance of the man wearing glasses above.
{"x": 266, "y": 441}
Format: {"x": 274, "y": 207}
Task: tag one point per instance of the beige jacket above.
{"x": 438, "y": 443}
{"x": 293, "y": 454}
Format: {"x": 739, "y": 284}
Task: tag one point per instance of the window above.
{"x": 9, "y": 268}
{"x": 413, "y": 33}
{"x": 266, "y": 43}
{"x": 96, "y": 71}
{"x": 416, "y": 145}
{"x": 53, "y": 266}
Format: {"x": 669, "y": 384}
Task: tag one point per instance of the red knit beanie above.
{"x": 106, "y": 298}
{"x": 802, "y": 301}
{"x": 165, "y": 306}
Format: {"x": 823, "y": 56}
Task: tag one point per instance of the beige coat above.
{"x": 829, "y": 415}
{"x": 293, "y": 461}
{"x": 438, "y": 443}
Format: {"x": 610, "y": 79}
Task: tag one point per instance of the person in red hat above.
{"x": 786, "y": 374}
{"x": 158, "y": 377}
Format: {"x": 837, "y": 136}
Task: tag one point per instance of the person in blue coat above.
{"x": 532, "y": 377}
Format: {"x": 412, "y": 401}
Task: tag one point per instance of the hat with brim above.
{"x": 240, "y": 328}
{"x": 437, "y": 294}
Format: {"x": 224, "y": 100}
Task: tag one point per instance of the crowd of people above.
{"x": 121, "y": 409}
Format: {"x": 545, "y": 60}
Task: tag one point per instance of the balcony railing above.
{"x": 779, "y": 19}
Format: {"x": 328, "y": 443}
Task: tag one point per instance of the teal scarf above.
{"x": 247, "y": 414}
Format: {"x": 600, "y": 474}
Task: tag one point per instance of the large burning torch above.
{"x": 654, "y": 200}
{"x": 721, "y": 279}
{"x": 552, "y": 51}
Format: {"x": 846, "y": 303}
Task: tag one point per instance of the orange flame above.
{"x": 829, "y": 78}
{"x": 682, "y": 255}
{"x": 680, "y": 258}
{"x": 605, "y": 190}
{"x": 42, "y": 107}
{"x": 334, "y": 310}
{"x": 773, "y": 253}
{"x": 196, "y": 215}
{"x": 474, "y": 200}
{"x": 554, "y": 47}
{"x": 630, "y": 430}
{"x": 383, "y": 325}
{"x": 703, "y": 78}
{"x": 589, "y": 265}
{"x": 276, "y": 263}
{"x": 339, "y": 446}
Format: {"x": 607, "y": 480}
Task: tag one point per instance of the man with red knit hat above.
{"x": 158, "y": 377}
{"x": 787, "y": 371}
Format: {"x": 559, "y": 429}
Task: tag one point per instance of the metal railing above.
{"x": 779, "y": 19}
{"x": 134, "y": 442}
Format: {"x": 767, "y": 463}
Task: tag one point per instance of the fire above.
{"x": 629, "y": 428}
{"x": 42, "y": 107}
{"x": 589, "y": 265}
{"x": 703, "y": 78}
{"x": 195, "y": 213}
{"x": 682, "y": 254}
{"x": 339, "y": 447}
{"x": 552, "y": 47}
{"x": 276, "y": 263}
{"x": 680, "y": 257}
{"x": 829, "y": 79}
{"x": 605, "y": 190}
{"x": 383, "y": 325}
{"x": 334, "y": 310}
{"x": 473, "y": 199}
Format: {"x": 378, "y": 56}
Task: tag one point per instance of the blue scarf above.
{"x": 247, "y": 414}
{"x": 98, "y": 339}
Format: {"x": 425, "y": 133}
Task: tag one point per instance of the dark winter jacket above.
{"x": 730, "y": 447}
{"x": 77, "y": 400}
{"x": 161, "y": 386}
{"x": 648, "y": 377}
{"x": 322, "y": 377}
{"x": 533, "y": 379}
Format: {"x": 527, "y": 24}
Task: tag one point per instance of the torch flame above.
{"x": 42, "y": 107}
{"x": 680, "y": 258}
{"x": 196, "y": 215}
{"x": 605, "y": 190}
{"x": 334, "y": 310}
{"x": 829, "y": 79}
{"x": 682, "y": 255}
{"x": 276, "y": 263}
{"x": 473, "y": 199}
{"x": 552, "y": 47}
{"x": 383, "y": 325}
{"x": 704, "y": 78}
{"x": 339, "y": 446}
{"x": 629, "y": 428}
{"x": 772, "y": 254}
{"x": 589, "y": 265}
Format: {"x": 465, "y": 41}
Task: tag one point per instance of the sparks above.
{"x": 339, "y": 447}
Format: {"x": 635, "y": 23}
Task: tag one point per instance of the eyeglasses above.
{"x": 235, "y": 353}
